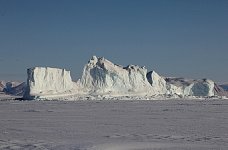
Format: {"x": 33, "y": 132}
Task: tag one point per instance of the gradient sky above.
{"x": 182, "y": 38}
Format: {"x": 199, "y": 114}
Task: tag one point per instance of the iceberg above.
{"x": 190, "y": 87}
{"x": 42, "y": 81}
{"x": 103, "y": 77}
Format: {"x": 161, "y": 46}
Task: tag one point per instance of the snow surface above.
{"x": 5, "y": 97}
{"x": 114, "y": 125}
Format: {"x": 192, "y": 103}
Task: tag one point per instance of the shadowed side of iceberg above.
{"x": 189, "y": 87}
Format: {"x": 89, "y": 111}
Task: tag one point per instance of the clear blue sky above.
{"x": 183, "y": 38}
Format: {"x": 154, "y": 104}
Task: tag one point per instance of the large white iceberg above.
{"x": 42, "y": 81}
{"x": 103, "y": 77}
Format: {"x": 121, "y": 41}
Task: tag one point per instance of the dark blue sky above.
{"x": 183, "y": 38}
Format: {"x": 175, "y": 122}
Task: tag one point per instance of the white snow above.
{"x": 114, "y": 125}
{"x": 44, "y": 81}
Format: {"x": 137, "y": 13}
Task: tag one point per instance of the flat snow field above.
{"x": 114, "y": 125}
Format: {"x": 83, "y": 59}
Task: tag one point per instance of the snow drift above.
{"x": 103, "y": 77}
{"x": 43, "y": 81}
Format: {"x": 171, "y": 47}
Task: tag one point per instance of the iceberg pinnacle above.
{"x": 102, "y": 76}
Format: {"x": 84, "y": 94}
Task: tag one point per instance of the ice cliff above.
{"x": 12, "y": 88}
{"x": 157, "y": 82}
{"x": 43, "y": 81}
{"x": 103, "y": 77}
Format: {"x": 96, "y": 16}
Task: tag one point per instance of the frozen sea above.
{"x": 114, "y": 125}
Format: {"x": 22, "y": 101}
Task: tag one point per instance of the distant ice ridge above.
{"x": 12, "y": 87}
{"x": 103, "y": 79}
{"x": 190, "y": 87}
{"x": 47, "y": 82}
